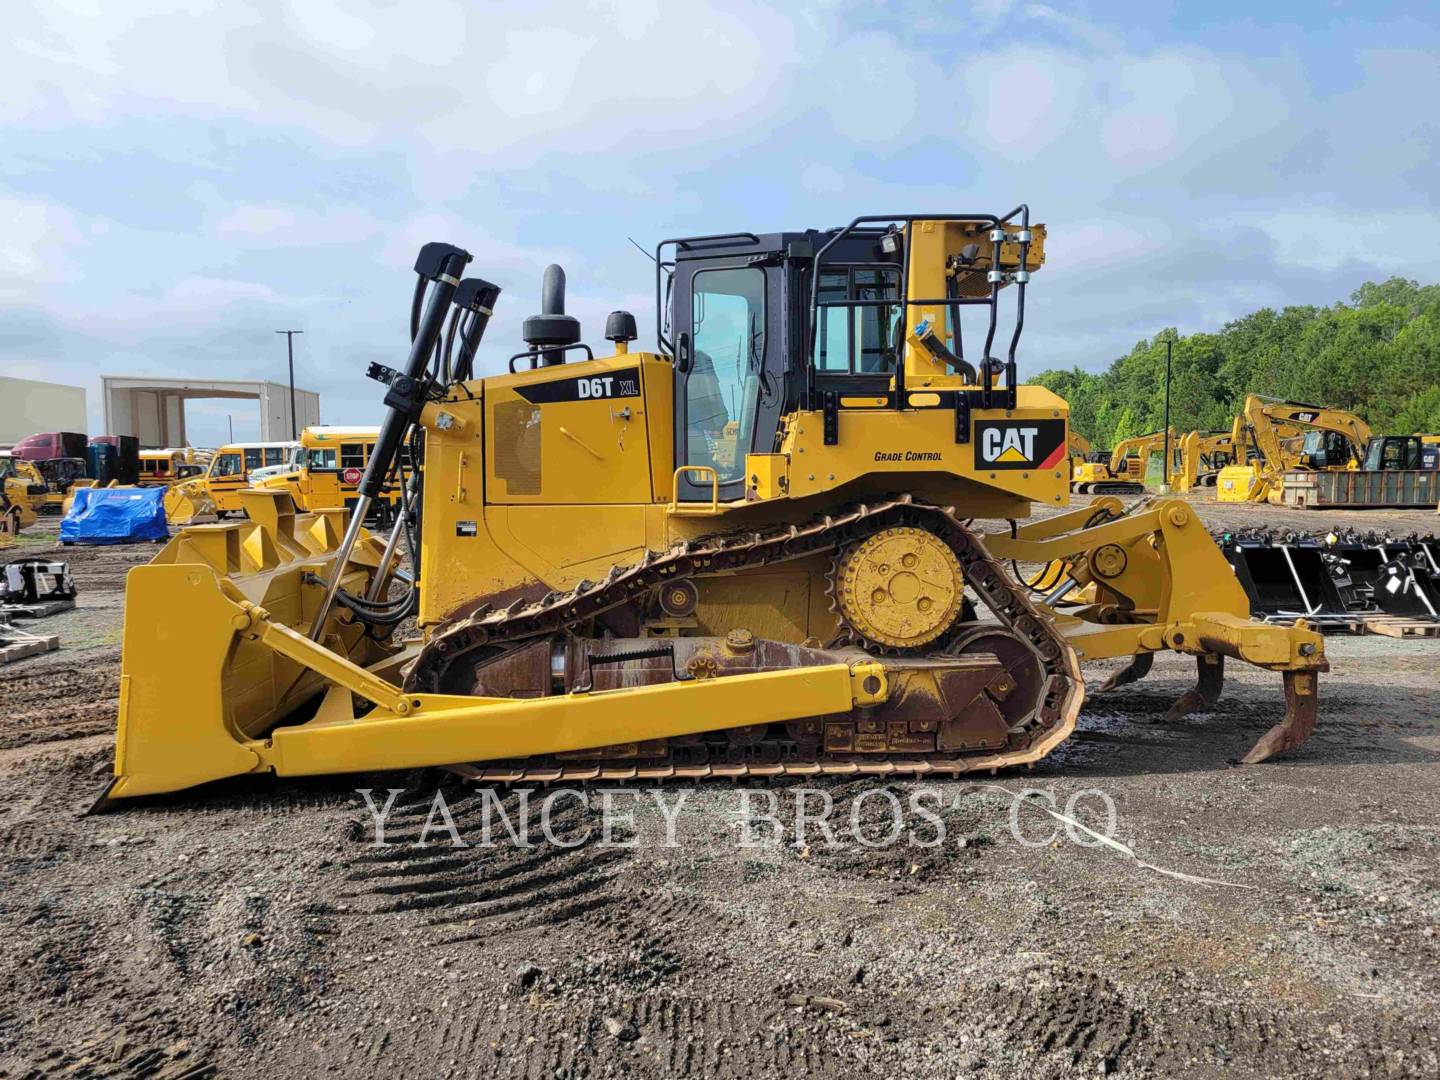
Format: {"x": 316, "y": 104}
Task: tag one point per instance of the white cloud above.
{"x": 217, "y": 168}
{"x": 820, "y": 179}
{"x": 1022, "y": 100}
{"x": 1328, "y": 238}
{"x": 252, "y": 220}
{"x": 271, "y": 224}
{"x": 1091, "y": 243}
{"x": 37, "y": 244}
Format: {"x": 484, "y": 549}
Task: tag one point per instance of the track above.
{"x": 446, "y": 663}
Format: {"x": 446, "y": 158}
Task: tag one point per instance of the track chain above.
{"x": 490, "y": 630}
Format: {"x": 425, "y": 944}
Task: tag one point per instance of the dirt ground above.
{"x": 254, "y": 928}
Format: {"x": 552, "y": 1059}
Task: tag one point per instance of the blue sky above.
{"x": 181, "y": 179}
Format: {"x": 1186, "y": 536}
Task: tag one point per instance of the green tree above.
{"x": 1378, "y": 355}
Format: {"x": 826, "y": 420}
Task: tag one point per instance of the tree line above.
{"x": 1377, "y": 356}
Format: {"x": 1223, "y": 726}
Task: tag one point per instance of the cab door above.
{"x": 322, "y": 478}
{"x": 226, "y": 478}
{"x": 729, "y": 370}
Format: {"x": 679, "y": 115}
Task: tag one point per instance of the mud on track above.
{"x": 253, "y": 928}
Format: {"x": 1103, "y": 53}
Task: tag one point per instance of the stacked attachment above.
{"x": 1342, "y": 582}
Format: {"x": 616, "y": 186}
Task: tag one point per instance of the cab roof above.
{"x": 323, "y": 433}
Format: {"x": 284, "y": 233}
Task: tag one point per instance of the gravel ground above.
{"x": 255, "y": 928}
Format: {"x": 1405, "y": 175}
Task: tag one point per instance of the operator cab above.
{"x": 1390, "y": 452}
{"x": 758, "y": 329}
{"x": 734, "y": 318}
{"x": 755, "y": 336}
{"x": 1326, "y": 450}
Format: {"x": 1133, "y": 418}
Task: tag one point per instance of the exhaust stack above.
{"x": 552, "y": 331}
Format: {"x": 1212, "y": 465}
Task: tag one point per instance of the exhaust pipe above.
{"x": 551, "y": 332}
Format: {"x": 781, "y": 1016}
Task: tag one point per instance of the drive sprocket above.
{"x": 901, "y": 589}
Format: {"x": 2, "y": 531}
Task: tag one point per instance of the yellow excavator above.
{"x": 1332, "y": 439}
{"x": 781, "y": 543}
{"x": 1202, "y": 456}
{"x": 21, "y": 484}
{"x": 1124, "y": 473}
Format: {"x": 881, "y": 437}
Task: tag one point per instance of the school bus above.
{"x": 231, "y": 467}
{"x": 331, "y": 462}
{"x": 161, "y": 468}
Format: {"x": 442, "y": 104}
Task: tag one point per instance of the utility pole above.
{"x": 230, "y": 419}
{"x": 290, "y": 346}
{"x": 1165, "y": 481}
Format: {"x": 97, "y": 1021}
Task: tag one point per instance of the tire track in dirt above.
{"x": 1067, "y": 1020}
{"x": 459, "y": 888}
{"x": 50, "y": 699}
{"x": 147, "y": 1047}
{"x": 653, "y": 1035}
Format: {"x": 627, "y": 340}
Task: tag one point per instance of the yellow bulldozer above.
{"x": 782, "y": 543}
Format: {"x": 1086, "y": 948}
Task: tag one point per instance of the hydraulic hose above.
{"x": 440, "y": 264}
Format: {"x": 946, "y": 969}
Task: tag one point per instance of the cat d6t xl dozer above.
{"x": 758, "y": 550}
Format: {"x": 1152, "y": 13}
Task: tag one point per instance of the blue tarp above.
{"x": 115, "y": 516}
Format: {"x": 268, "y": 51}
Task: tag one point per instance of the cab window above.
{"x": 321, "y": 457}
{"x": 352, "y": 455}
{"x": 1390, "y": 454}
{"x": 226, "y": 465}
{"x": 859, "y": 320}
{"x": 722, "y": 388}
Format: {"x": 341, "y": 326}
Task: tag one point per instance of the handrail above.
{"x": 535, "y": 354}
{"x": 995, "y": 277}
{"x": 714, "y": 488}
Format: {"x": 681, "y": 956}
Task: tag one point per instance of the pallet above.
{"x": 1326, "y": 624}
{"x": 1399, "y": 626}
{"x": 17, "y": 644}
{"x": 37, "y": 610}
{"x": 1364, "y": 622}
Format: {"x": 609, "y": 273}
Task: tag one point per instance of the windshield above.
{"x": 225, "y": 465}
{"x": 7, "y": 467}
{"x": 1389, "y": 453}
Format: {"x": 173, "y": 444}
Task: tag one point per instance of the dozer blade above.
{"x": 193, "y": 688}
{"x": 1152, "y": 579}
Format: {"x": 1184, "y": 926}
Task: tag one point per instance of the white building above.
{"x": 153, "y": 410}
{"x": 28, "y": 407}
